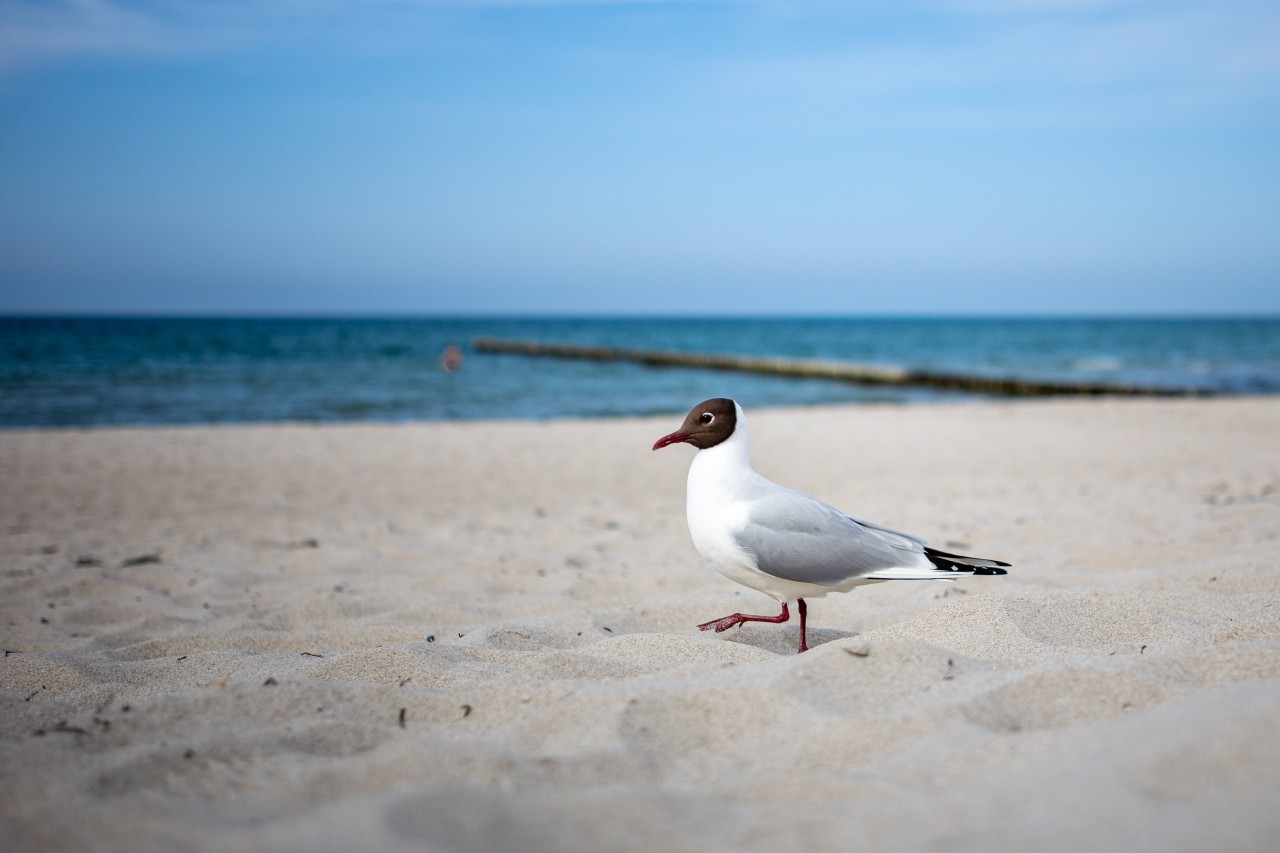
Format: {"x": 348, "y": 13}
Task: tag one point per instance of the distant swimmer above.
{"x": 451, "y": 358}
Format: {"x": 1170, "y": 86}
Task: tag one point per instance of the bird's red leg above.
{"x": 804, "y": 646}
{"x": 726, "y": 622}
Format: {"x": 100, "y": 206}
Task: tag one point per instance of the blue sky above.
{"x": 729, "y": 156}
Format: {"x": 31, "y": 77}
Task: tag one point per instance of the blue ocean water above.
{"x": 84, "y": 371}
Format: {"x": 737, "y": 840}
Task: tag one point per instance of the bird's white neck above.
{"x": 721, "y": 467}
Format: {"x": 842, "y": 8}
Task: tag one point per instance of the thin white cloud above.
{"x": 1096, "y": 59}
{"x": 1035, "y": 62}
{"x": 43, "y": 32}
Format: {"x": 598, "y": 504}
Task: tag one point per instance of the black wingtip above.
{"x": 967, "y": 565}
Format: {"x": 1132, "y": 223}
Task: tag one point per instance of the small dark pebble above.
{"x": 402, "y": 710}
{"x": 466, "y": 710}
{"x": 189, "y": 754}
{"x": 431, "y": 638}
{"x": 606, "y": 628}
{"x": 125, "y": 708}
{"x": 88, "y": 560}
{"x": 44, "y": 620}
{"x": 140, "y": 560}
{"x": 270, "y": 682}
{"x": 304, "y": 543}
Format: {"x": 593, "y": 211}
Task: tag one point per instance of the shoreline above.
{"x": 213, "y": 629}
{"x": 959, "y": 400}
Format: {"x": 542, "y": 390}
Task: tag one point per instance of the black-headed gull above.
{"x": 784, "y": 543}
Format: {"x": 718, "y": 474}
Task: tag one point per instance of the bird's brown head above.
{"x": 707, "y": 424}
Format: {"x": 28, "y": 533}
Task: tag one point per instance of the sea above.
{"x": 111, "y": 371}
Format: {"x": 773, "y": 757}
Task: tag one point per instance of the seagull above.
{"x": 782, "y": 542}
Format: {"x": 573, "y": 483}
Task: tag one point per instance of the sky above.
{"x": 610, "y": 157}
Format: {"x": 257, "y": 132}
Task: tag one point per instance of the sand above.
{"x": 481, "y": 638}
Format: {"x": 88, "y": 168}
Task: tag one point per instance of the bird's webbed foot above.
{"x": 726, "y": 622}
{"x": 723, "y": 624}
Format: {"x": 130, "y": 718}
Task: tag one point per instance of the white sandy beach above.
{"x": 481, "y": 637}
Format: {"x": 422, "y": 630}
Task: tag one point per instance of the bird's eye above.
{"x": 707, "y": 417}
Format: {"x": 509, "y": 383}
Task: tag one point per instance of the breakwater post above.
{"x": 842, "y": 371}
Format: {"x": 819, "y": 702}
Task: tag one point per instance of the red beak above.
{"x": 674, "y": 438}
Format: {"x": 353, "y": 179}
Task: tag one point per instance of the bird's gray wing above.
{"x": 896, "y": 538}
{"x": 797, "y": 538}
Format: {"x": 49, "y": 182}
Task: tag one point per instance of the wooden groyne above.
{"x": 841, "y": 371}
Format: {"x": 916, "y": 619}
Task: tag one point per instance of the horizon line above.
{"x": 627, "y": 315}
